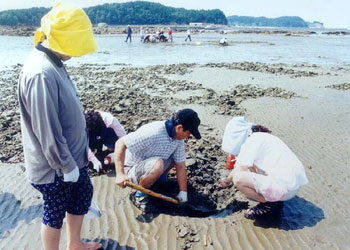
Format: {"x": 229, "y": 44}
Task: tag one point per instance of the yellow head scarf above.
{"x": 66, "y": 29}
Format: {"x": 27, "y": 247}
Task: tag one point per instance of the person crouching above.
{"x": 266, "y": 170}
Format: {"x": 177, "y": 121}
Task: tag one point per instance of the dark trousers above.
{"x": 129, "y": 36}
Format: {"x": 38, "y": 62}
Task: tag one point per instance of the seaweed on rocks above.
{"x": 137, "y": 96}
{"x": 278, "y": 69}
{"x": 341, "y": 86}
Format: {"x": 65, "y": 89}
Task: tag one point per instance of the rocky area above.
{"x": 278, "y": 69}
{"x": 18, "y": 30}
{"x": 137, "y": 96}
{"x": 342, "y": 86}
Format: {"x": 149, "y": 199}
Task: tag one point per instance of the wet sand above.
{"x": 300, "y": 108}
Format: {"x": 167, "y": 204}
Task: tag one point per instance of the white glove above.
{"x": 97, "y": 165}
{"x": 182, "y": 197}
{"x": 72, "y": 176}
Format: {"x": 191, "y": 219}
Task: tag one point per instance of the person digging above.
{"x": 266, "y": 170}
{"x": 146, "y": 155}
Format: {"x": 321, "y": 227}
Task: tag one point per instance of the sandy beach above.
{"x": 307, "y": 106}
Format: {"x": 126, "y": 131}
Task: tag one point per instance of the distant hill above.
{"x": 284, "y": 21}
{"x": 138, "y": 12}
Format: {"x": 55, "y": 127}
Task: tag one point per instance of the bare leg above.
{"x": 50, "y": 237}
{"x": 153, "y": 175}
{"x": 74, "y": 223}
{"x": 244, "y": 182}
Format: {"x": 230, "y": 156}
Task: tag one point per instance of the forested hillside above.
{"x": 139, "y": 12}
{"x": 284, "y": 21}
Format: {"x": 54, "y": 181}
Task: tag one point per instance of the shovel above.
{"x": 171, "y": 200}
{"x": 151, "y": 193}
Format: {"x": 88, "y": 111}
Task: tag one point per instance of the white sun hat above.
{"x": 236, "y": 133}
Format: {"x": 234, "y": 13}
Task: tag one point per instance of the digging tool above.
{"x": 186, "y": 205}
{"x": 151, "y": 193}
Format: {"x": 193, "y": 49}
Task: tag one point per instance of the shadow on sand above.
{"x": 297, "y": 213}
{"x": 199, "y": 205}
{"x": 11, "y": 213}
{"x": 109, "y": 244}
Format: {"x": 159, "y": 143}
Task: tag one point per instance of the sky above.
{"x": 332, "y": 13}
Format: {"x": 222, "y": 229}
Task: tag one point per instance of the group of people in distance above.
{"x": 59, "y": 139}
{"x": 147, "y": 37}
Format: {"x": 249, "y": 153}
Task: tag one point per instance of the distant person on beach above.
{"x": 142, "y": 34}
{"x": 188, "y": 32}
{"x": 266, "y": 170}
{"x": 104, "y": 129}
{"x": 162, "y": 37}
{"x": 146, "y": 155}
{"x": 223, "y": 41}
{"x": 54, "y": 134}
{"x": 170, "y": 34}
{"x": 129, "y": 32}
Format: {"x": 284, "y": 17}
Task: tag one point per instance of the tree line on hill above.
{"x": 138, "y": 12}
{"x": 141, "y": 13}
{"x": 284, "y": 21}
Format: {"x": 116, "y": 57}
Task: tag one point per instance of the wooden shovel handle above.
{"x": 151, "y": 193}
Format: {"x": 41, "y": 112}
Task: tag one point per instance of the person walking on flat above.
{"x": 54, "y": 133}
{"x": 129, "y": 32}
{"x": 188, "y": 32}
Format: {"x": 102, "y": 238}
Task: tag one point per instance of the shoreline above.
{"x": 295, "y": 104}
{"x": 29, "y": 30}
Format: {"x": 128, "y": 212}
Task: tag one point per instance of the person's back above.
{"x": 274, "y": 157}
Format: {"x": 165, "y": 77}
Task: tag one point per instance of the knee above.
{"x": 238, "y": 179}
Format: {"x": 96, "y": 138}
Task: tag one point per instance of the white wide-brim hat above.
{"x": 236, "y": 133}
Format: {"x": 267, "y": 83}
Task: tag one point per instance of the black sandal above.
{"x": 263, "y": 209}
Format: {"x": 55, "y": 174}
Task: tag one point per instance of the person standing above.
{"x": 170, "y": 34}
{"x": 142, "y": 34}
{"x": 188, "y": 35}
{"x": 129, "y": 32}
{"x": 54, "y": 134}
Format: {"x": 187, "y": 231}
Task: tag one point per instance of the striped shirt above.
{"x": 152, "y": 140}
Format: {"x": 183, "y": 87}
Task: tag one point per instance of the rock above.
{"x": 190, "y": 162}
{"x": 183, "y": 231}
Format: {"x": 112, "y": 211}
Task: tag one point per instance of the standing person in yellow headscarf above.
{"x": 54, "y": 133}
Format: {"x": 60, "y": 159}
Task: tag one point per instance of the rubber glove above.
{"x": 182, "y": 197}
{"x": 97, "y": 165}
{"x": 72, "y": 176}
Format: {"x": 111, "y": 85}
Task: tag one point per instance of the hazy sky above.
{"x": 333, "y": 13}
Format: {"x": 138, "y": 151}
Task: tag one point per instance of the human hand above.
{"x": 72, "y": 176}
{"x": 120, "y": 180}
{"x": 182, "y": 197}
{"x": 97, "y": 165}
{"x": 225, "y": 183}
{"x": 253, "y": 169}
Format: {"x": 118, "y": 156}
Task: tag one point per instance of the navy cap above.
{"x": 188, "y": 118}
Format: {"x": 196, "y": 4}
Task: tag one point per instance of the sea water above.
{"x": 323, "y": 50}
